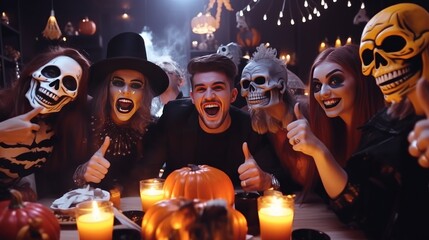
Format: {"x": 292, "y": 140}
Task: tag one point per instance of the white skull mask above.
{"x": 55, "y": 84}
{"x": 263, "y": 83}
{"x": 394, "y": 49}
{"x": 232, "y": 51}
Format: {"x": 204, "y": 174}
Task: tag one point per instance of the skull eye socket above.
{"x": 51, "y": 72}
{"x": 70, "y": 83}
{"x": 245, "y": 84}
{"x": 367, "y": 57}
{"x": 259, "y": 80}
{"x": 393, "y": 44}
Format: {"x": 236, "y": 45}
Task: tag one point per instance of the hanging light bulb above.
{"x": 349, "y": 4}
{"x": 248, "y": 8}
{"x": 362, "y": 6}
{"x": 349, "y": 40}
{"x": 292, "y": 22}
{"x": 338, "y": 42}
{"x": 264, "y": 17}
{"x": 52, "y": 30}
{"x": 279, "y": 22}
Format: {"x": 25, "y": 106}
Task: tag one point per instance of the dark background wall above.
{"x": 169, "y": 25}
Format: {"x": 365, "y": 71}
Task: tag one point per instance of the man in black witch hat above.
{"x": 122, "y": 87}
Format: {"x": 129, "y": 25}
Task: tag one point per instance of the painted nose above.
{"x": 325, "y": 90}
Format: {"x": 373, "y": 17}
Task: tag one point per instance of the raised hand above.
{"x": 419, "y": 137}
{"x": 300, "y": 135}
{"x": 19, "y": 129}
{"x": 252, "y": 177}
{"x": 98, "y": 166}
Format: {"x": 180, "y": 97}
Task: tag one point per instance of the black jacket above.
{"x": 178, "y": 140}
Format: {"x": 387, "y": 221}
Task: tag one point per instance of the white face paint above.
{"x": 55, "y": 84}
{"x": 125, "y": 94}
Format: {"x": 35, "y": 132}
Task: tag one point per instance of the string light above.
{"x": 305, "y": 8}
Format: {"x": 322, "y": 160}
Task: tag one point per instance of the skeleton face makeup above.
{"x": 263, "y": 83}
{"x": 394, "y": 49}
{"x": 55, "y": 84}
{"x": 125, "y": 94}
{"x": 334, "y": 90}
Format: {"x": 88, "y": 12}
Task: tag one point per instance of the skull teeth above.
{"x": 257, "y": 98}
{"x": 403, "y": 74}
{"x": 43, "y": 95}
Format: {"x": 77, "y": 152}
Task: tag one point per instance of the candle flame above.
{"x": 95, "y": 210}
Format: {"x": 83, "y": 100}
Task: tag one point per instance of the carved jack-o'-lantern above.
{"x": 87, "y": 27}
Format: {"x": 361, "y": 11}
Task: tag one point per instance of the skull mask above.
{"x": 264, "y": 78}
{"x": 55, "y": 84}
{"x": 231, "y": 50}
{"x": 394, "y": 49}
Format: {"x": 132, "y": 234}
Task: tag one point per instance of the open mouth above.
{"x": 124, "y": 105}
{"x": 330, "y": 103}
{"x": 211, "y": 109}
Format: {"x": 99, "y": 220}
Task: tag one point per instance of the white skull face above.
{"x": 55, "y": 84}
{"x": 263, "y": 83}
{"x": 232, "y": 51}
{"x": 394, "y": 49}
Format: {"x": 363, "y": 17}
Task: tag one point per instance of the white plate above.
{"x": 66, "y": 204}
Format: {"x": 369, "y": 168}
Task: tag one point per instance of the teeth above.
{"x": 210, "y": 106}
{"x": 49, "y": 93}
{"x": 404, "y": 73}
{"x": 125, "y": 100}
{"x": 330, "y": 102}
{"x": 256, "y": 96}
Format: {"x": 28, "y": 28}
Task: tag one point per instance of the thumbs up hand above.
{"x": 98, "y": 166}
{"x": 300, "y": 135}
{"x": 20, "y": 129}
{"x": 252, "y": 177}
{"x": 419, "y": 137}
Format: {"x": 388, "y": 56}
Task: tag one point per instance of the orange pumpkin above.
{"x": 248, "y": 38}
{"x": 191, "y": 219}
{"x": 199, "y": 182}
{"x": 17, "y": 217}
{"x": 87, "y": 27}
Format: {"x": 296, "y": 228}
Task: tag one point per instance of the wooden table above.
{"x": 313, "y": 215}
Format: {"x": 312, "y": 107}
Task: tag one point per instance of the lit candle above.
{"x": 275, "y": 217}
{"x": 94, "y": 220}
{"x": 194, "y": 44}
{"x": 151, "y": 192}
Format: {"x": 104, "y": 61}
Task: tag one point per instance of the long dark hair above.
{"x": 69, "y": 124}
{"x": 369, "y": 100}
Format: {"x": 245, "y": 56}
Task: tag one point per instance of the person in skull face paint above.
{"x": 122, "y": 87}
{"x": 211, "y": 131}
{"x": 41, "y": 120}
{"x": 383, "y": 189}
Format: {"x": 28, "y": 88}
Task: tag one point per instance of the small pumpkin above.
{"x": 199, "y": 182}
{"x": 16, "y": 214}
{"x": 179, "y": 218}
{"x": 87, "y": 27}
